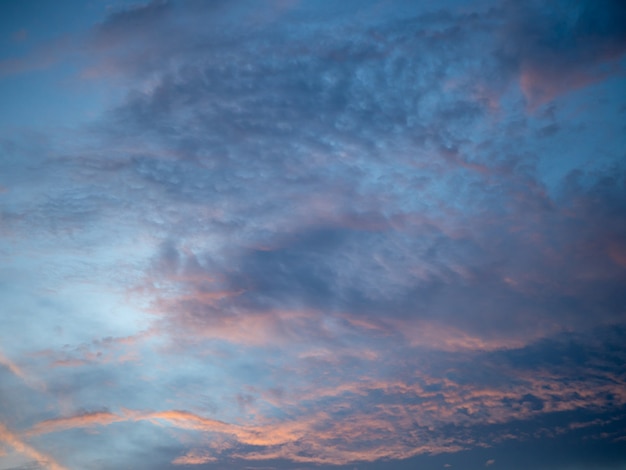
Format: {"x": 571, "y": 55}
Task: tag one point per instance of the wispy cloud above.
{"x": 27, "y": 378}
{"x": 503, "y": 393}
{"x": 19, "y": 445}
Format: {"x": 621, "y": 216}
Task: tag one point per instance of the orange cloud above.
{"x": 194, "y": 458}
{"x": 18, "y": 372}
{"x": 20, "y": 446}
{"x": 101, "y": 418}
{"x": 14, "y": 368}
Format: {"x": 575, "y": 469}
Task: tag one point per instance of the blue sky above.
{"x": 312, "y": 234}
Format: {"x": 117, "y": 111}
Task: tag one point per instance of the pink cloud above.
{"x": 541, "y": 85}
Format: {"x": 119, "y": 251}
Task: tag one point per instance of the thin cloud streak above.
{"x": 29, "y": 380}
{"x": 19, "y": 445}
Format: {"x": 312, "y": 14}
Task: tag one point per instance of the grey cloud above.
{"x": 493, "y": 278}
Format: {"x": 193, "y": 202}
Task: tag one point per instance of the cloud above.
{"x": 19, "y": 445}
{"x": 562, "y": 47}
{"x": 16, "y": 370}
{"x": 101, "y": 418}
{"x": 20, "y": 35}
{"x": 279, "y": 440}
{"x": 43, "y": 58}
{"x": 539, "y": 388}
{"x": 291, "y": 223}
{"x": 303, "y": 232}
{"x": 116, "y": 350}
{"x": 12, "y": 367}
{"x": 193, "y": 458}
{"x": 313, "y": 273}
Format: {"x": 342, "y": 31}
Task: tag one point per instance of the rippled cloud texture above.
{"x": 312, "y": 234}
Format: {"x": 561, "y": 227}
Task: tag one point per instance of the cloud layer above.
{"x": 303, "y": 234}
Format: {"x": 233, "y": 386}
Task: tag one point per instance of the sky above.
{"x": 312, "y": 234}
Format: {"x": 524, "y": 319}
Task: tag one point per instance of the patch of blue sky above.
{"x": 58, "y": 282}
{"x": 52, "y": 99}
{"x": 40, "y": 83}
{"x": 44, "y": 21}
